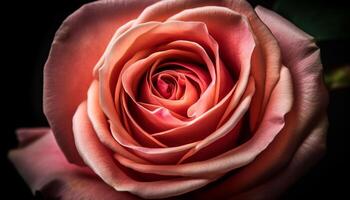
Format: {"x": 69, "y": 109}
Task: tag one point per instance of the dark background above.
{"x": 28, "y": 30}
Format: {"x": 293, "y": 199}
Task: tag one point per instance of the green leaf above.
{"x": 325, "y": 20}
{"x": 338, "y": 77}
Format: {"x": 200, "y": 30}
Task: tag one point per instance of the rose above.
{"x": 165, "y": 101}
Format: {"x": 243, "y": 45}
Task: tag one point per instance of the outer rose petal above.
{"x": 85, "y": 32}
{"x": 301, "y": 56}
{"x": 307, "y": 155}
{"x": 50, "y": 173}
{"x": 99, "y": 159}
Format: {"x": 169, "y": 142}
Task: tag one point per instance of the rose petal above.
{"x": 226, "y": 128}
{"x": 164, "y": 9}
{"x": 301, "y": 55}
{"x": 308, "y": 154}
{"x": 99, "y": 159}
{"x": 143, "y": 137}
{"x": 165, "y": 155}
{"x": 25, "y": 138}
{"x": 194, "y": 72}
{"x": 101, "y": 126}
{"x": 236, "y": 43}
{"x": 87, "y": 31}
{"x": 194, "y": 130}
{"x": 44, "y": 168}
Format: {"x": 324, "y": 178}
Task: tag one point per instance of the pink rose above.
{"x": 159, "y": 99}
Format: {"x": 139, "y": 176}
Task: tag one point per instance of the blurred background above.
{"x": 29, "y": 27}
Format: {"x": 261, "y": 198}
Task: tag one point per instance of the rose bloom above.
{"x": 183, "y": 99}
